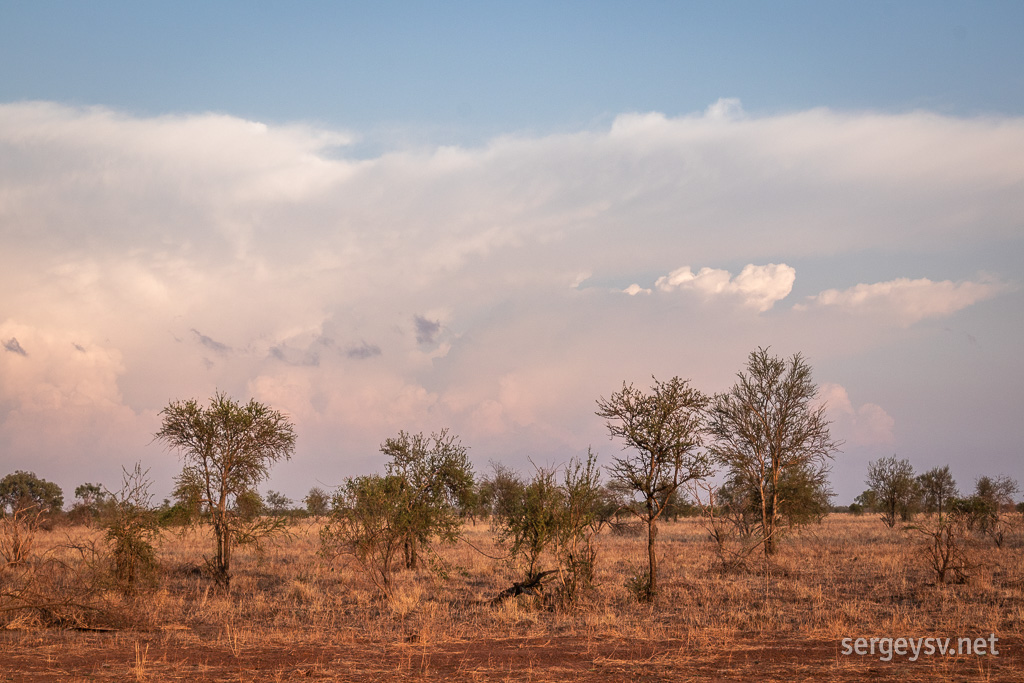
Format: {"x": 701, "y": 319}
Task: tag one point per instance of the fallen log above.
{"x": 533, "y": 585}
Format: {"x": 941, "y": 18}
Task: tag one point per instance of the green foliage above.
{"x": 437, "y": 484}
{"x": 937, "y": 488}
{"x": 367, "y": 524}
{"x": 527, "y": 520}
{"x": 227, "y": 450}
{"x": 805, "y": 496}
{"x": 896, "y": 492}
{"x": 983, "y": 512}
{"x": 975, "y": 509}
{"x": 638, "y": 584}
{"x": 177, "y": 515}
{"x": 317, "y": 502}
{"x": 417, "y": 504}
{"x": 22, "y": 489}
{"x": 542, "y": 519}
{"x": 278, "y": 503}
{"x": 998, "y": 491}
{"x": 248, "y": 506}
{"x": 582, "y": 514}
{"x": 867, "y": 500}
{"x": 92, "y": 499}
{"x": 499, "y": 490}
{"x": 131, "y": 530}
{"x": 663, "y": 429}
{"x": 774, "y": 443}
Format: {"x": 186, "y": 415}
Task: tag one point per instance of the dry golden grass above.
{"x": 293, "y": 615}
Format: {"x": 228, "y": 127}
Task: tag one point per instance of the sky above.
{"x": 484, "y": 217}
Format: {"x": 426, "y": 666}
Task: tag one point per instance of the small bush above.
{"x": 638, "y": 583}
{"x": 131, "y": 528}
{"x": 946, "y": 546}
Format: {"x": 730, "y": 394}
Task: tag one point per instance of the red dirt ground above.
{"x": 130, "y": 655}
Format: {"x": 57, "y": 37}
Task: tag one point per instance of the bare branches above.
{"x": 18, "y": 533}
{"x": 772, "y": 440}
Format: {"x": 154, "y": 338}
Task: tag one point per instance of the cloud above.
{"x": 256, "y": 243}
{"x": 426, "y": 330}
{"x": 865, "y": 425}
{"x": 726, "y": 108}
{"x": 13, "y": 346}
{"x": 635, "y": 289}
{"x": 907, "y": 300}
{"x": 757, "y": 286}
{"x": 363, "y": 351}
{"x": 298, "y": 357}
{"x": 209, "y": 343}
{"x": 62, "y": 410}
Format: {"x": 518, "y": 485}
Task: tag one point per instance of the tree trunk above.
{"x": 766, "y": 525}
{"x": 410, "y": 552}
{"x": 652, "y": 558}
{"x": 222, "y": 561}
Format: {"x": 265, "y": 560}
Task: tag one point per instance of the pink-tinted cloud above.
{"x": 908, "y": 301}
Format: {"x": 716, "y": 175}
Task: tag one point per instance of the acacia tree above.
{"x": 317, "y": 502}
{"x": 227, "y": 449}
{"x": 997, "y": 491}
{"x": 377, "y": 519}
{"x": 22, "y": 489}
{"x": 895, "y": 489}
{"x": 366, "y": 524}
{"x": 768, "y": 434}
{"x": 938, "y": 489}
{"x": 663, "y": 430}
{"x": 991, "y": 497}
{"x": 436, "y": 480}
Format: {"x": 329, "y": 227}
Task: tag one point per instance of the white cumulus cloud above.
{"x": 757, "y": 286}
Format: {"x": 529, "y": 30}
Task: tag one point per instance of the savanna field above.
{"x": 293, "y": 614}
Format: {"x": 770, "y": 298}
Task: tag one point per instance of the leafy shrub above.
{"x": 131, "y": 529}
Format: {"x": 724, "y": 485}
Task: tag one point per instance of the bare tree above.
{"x": 18, "y": 530}
{"x": 227, "y": 449}
{"x": 768, "y": 433}
{"x": 663, "y": 429}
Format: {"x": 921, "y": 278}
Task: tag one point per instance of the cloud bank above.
{"x": 149, "y": 259}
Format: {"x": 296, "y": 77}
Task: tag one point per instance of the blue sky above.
{"x": 384, "y": 216}
{"x": 453, "y": 72}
